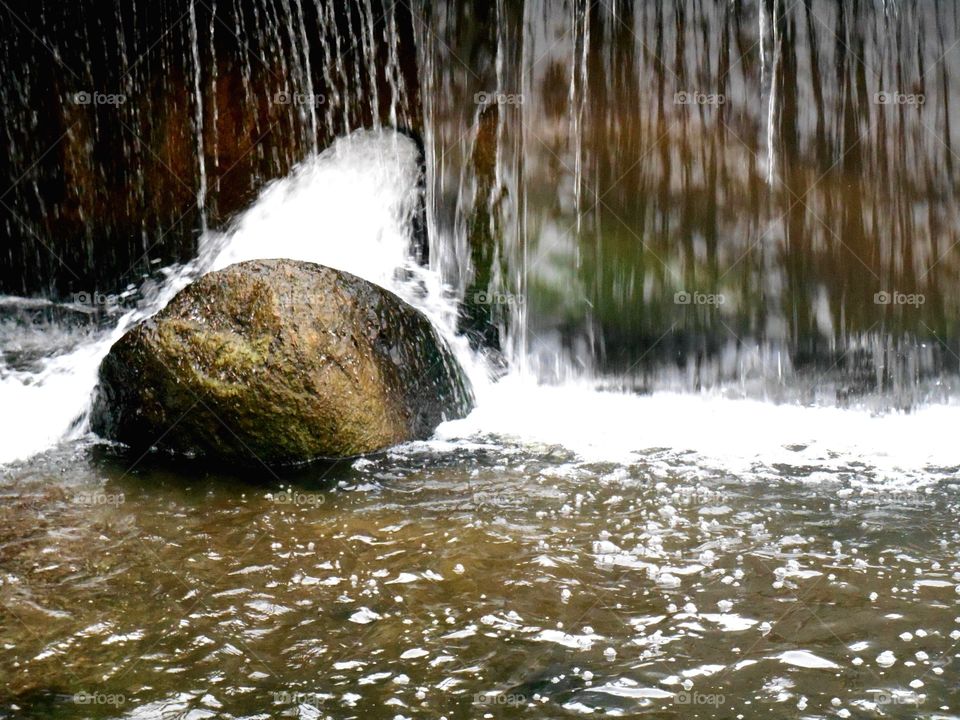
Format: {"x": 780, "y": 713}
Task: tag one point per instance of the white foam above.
{"x": 41, "y": 408}
{"x": 805, "y": 659}
{"x": 744, "y": 437}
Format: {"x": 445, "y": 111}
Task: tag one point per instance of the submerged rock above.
{"x": 279, "y": 361}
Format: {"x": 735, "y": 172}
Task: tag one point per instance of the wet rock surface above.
{"x": 279, "y": 362}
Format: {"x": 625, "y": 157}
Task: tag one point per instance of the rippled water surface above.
{"x": 478, "y": 578}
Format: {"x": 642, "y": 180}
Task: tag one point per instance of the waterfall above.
{"x": 653, "y": 197}
{"x": 198, "y": 99}
{"x": 364, "y": 192}
{"x": 308, "y": 77}
{"x": 752, "y": 192}
{"x": 772, "y": 91}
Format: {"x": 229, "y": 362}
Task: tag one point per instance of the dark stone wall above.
{"x": 100, "y": 169}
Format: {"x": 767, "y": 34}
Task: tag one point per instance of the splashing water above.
{"x": 350, "y": 207}
{"x": 752, "y": 439}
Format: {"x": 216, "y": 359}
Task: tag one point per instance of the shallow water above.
{"x": 472, "y": 578}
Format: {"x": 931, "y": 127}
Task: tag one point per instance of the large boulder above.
{"x": 280, "y": 362}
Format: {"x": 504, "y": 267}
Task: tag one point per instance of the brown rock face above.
{"x": 103, "y": 149}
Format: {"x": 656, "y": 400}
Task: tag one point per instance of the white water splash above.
{"x": 751, "y": 439}
{"x": 350, "y": 208}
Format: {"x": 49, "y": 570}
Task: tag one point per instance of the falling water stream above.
{"x": 712, "y": 471}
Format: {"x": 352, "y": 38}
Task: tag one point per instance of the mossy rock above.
{"x": 279, "y": 362}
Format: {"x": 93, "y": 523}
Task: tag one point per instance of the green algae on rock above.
{"x": 280, "y": 362}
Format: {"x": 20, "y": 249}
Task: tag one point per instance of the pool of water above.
{"x": 473, "y": 577}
